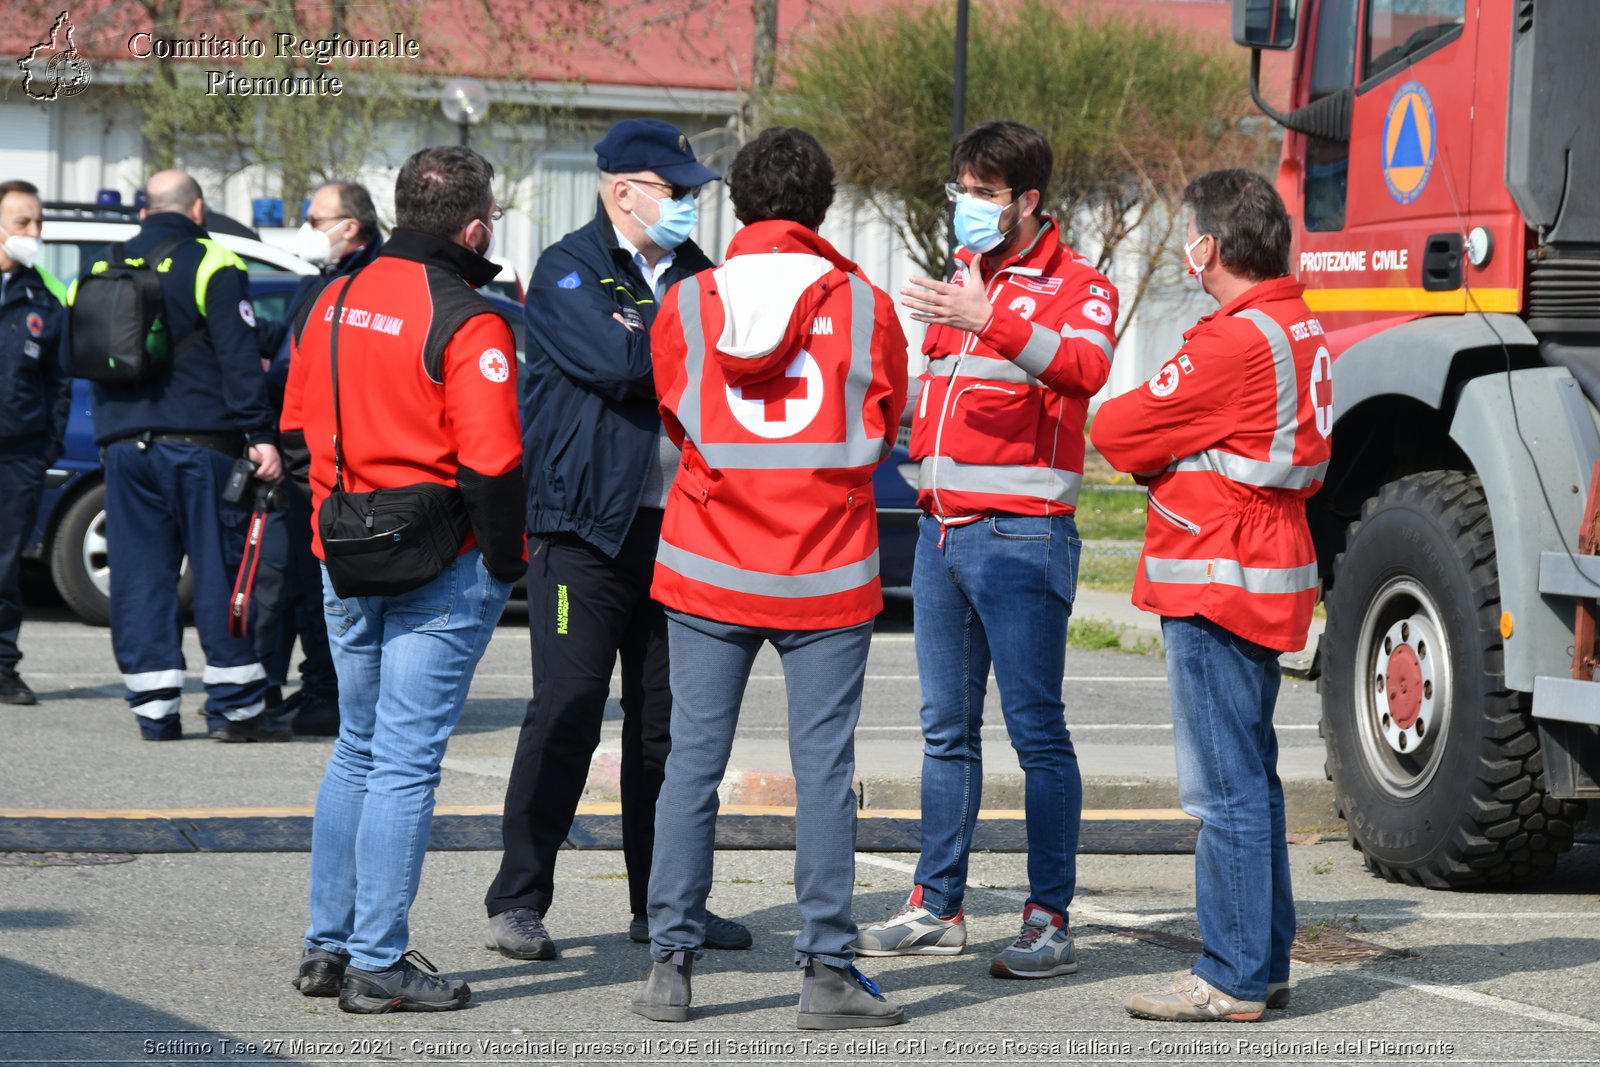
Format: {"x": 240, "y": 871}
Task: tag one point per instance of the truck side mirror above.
{"x": 1269, "y": 24}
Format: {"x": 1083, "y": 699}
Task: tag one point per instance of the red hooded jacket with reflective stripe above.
{"x": 781, "y": 375}
{"x": 999, "y": 423}
{"x": 1237, "y": 426}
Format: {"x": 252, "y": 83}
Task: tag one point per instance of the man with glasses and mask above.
{"x": 1018, "y": 341}
{"x": 35, "y": 397}
{"x": 599, "y": 469}
{"x": 340, "y": 234}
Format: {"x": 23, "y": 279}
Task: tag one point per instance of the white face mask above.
{"x": 491, "y": 249}
{"x": 314, "y": 246}
{"x": 21, "y": 248}
{"x": 1188, "y": 257}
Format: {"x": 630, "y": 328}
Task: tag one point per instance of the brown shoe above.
{"x": 1192, "y": 999}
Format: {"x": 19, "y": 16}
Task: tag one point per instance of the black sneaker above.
{"x": 13, "y": 690}
{"x": 261, "y": 727}
{"x": 720, "y": 933}
{"x": 168, "y": 729}
{"x": 317, "y": 716}
{"x": 404, "y": 987}
{"x": 320, "y": 972}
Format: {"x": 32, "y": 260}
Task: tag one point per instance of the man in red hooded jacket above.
{"x": 1232, "y": 437}
{"x": 781, "y": 375}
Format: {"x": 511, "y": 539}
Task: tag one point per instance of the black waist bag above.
{"x": 387, "y": 541}
{"x": 391, "y": 541}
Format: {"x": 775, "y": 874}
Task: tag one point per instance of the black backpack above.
{"x": 118, "y": 328}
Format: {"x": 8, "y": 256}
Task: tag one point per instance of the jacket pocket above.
{"x": 1191, "y": 528}
{"x": 859, "y": 497}
{"x": 925, "y": 423}
{"x": 693, "y": 483}
{"x": 992, "y": 424}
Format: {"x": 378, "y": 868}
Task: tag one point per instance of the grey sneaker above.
{"x": 519, "y": 933}
{"x": 913, "y": 931}
{"x": 720, "y": 933}
{"x": 665, "y": 995}
{"x": 1278, "y": 995}
{"x": 842, "y": 998}
{"x": 1043, "y": 948}
{"x": 1192, "y": 999}
{"x": 413, "y": 984}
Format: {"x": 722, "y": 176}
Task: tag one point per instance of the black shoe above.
{"x": 259, "y": 728}
{"x": 720, "y": 933}
{"x": 320, "y": 972}
{"x": 317, "y": 716}
{"x": 13, "y": 690}
{"x": 168, "y": 729}
{"x": 404, "y": 987}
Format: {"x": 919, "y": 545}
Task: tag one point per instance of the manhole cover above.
{"x": 1326, "y": 944}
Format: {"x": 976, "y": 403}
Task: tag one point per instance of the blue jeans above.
{"x": 999, "y": 590}
{"x": 404, "y": 665}
{"x": 823, "y": 672}
{"x": 1223, "y": 692}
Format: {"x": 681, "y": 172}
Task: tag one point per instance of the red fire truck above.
{"x": 1441, "y": 163}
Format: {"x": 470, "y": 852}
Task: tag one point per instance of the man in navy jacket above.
{"x": 169, "y": 445}
{"x": 599, "y": 469}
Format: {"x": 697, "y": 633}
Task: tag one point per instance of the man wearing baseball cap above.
{"x": 599, "y": 469}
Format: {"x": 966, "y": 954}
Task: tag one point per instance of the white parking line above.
{"x": 1463, "y": 996}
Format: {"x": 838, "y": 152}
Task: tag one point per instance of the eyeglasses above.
{"x": 316, "y": 223}
{"x": 675, "y": 192}
{"x": 955, "y": 190}
{"x": 497, "y": 214}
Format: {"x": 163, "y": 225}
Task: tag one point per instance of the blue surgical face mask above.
{"x": 677, "y": 220}
{"x": 978, "y": 224}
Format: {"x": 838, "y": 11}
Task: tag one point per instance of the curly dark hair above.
{"x": 782, "y": 174}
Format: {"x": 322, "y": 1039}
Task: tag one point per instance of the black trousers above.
{"x": 22, "y": 470}
{"x": 288, "y": 600}
{"x": 584, "y": 609}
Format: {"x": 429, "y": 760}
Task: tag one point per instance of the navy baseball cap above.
{"x": 650, "y": 144}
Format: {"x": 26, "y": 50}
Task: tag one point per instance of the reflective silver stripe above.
{"x": 249, "y": 672}
{"x": 694, "y": 360}
{"x": 1043, "y": 483}
{"x": 1252, "y": 471}
{"x": 157, "y": 709}
{"x": 1040, "y": 350}
{"x": 856, "y": 450}
{"x": 148, "y": 681}
{"x": 789, "y": 586}
{"x": 1231, "y": 572}
{"x": 1100, "y": 340}
{"x": 987, "y": 368}
{"x": 249, "y": 711}
{"x": 1282, "y": 450}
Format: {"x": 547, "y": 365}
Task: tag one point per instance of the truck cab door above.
{"x": 1384, "y": 213}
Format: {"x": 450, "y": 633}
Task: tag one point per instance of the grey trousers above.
{"x": 823, "y": 671}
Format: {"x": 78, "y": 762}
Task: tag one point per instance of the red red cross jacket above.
{"x": 999, "y": 422}
{"x": 1237, "y": 426}
{"x": 782, "y": 374}
{"x": 427, "y": 392}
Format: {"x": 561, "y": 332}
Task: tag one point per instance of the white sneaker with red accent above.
{"x": 1043, "y": 948}
{"x": 914, "y": 931}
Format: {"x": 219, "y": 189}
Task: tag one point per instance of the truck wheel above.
{"x": 1435, "y": 763}
{"x": 81, "y": 567}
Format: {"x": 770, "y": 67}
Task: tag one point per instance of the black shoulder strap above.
{"x": 333, "y": 363}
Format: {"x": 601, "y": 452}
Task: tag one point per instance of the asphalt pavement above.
{"x": 183, "y": 956}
